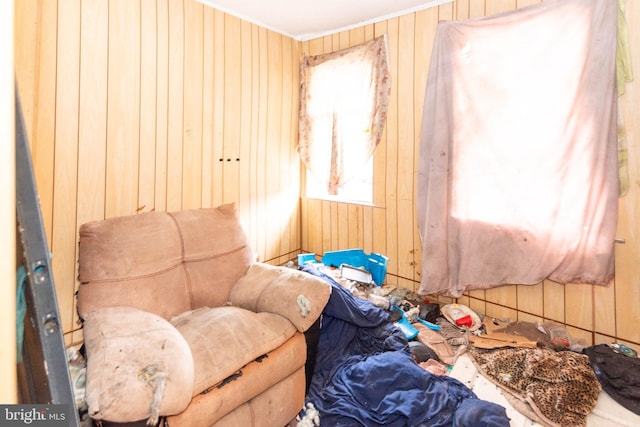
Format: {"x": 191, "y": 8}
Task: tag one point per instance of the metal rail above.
{"x": 45, "y": 375}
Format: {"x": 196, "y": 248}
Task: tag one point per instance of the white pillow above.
{"x": 295, "y": 295}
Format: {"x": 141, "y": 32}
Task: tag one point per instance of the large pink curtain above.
{"x": 518, "y": 158}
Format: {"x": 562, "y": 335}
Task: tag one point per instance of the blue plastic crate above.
{"x": 305, "y": 258}
{"x": 374, "y": 263}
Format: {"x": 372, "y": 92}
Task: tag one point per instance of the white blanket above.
{"x": 518, "y": 164}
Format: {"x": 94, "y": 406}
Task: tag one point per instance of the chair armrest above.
{"x": 138, "y": 366}
{"x": 293, "y": 294}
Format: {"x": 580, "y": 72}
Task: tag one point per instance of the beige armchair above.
{"x": 182, "y": 324}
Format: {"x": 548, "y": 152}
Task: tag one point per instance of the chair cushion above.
{"x": 298, "y": 296}
{"x": 258, "y": 377}
{"x": 128, "y": 350}
{"x": 224, "y": 339}
{"x": 163, "y": 263}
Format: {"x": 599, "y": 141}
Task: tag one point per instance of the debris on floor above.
{"x": 444, "y": 338}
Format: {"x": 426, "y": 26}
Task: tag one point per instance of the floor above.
{"x": 607, "y": 412}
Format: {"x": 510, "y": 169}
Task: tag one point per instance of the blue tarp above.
{"x": 365, "y": 375}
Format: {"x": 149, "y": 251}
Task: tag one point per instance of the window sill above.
{"x": 343, "y": 200}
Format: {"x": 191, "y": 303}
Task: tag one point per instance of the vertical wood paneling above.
{"x": 391, "y": 189}
{"x": 313, "y": 208}
{"x": 367, "y": 229}
{"x": 332, "y": 218}
{"x": 208, "y": 161}
{"x": 479, "y": 294}
{"x": 123, "y": 108}
{"x": 262, "y": 169}
{"x": 554, "y": 301}
{"x": 244, "y": 152}
{"x": 379, "y": 231}
{"x": 462, "y": 9}
{"x": 605, "y": 310}
{"x": 525, "y": 3}
{"x": 503, "y": 295}
{"x": 148, "y": 104}
{"x": 42, "y": 141}
{"x": 580, "y": 311}
{"x": 406, "y": 150}
{"x": 476, "y": 9}
{"x": 254, "y": 228}
{"x": 425, "y": 27}
{"x": 27, "y": 60}
{"x": 175, "y": 105}
{"x": 162, "y": 105}
{"x": 380, "y": 175}
{"x": 500, "y": 311}
{"x": 192, "y": 149}
{"x": 343, "y": 40}
{"x": 92, "y": 133}
{"x": 446, "y": 12}
{"x": 496, "y": 6}
{"x": 231, "y": 108}
{"x": 138, "y": 103}
{"x": 218, "y": 107}
{"x": 65, "y": 173}
{"x": 274, "y": 126}
{"x": 329, "y": 215}
{"x": 342, "y": 224}
{"x": 526, "y": 317}
{"x": 356, "y": 36}
{"x": 295, "y": 164}
{"x": 530, "y": 299}
{"x": 627, "y": 281}
{"x": 287, "y": 202}
{"x": 355, "y": 222}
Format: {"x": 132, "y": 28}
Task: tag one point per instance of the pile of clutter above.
{"x": 527, "y": 360}
{"x": 445, "y": 329}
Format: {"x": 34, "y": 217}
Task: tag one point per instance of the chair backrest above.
{"x": 164, "y": 263}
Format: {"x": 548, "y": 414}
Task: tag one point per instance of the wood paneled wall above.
{"x": 389, "y": 226}
{"x": 136, "y": 105}
{"x": 140, "y": 105}
{"x": 9, "y": 388}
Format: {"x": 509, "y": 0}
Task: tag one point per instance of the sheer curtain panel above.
{"x": 344, "y": 97}
{"x": 518, "y": 158}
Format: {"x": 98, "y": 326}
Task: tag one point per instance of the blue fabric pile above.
{"x": 365, "y": 375}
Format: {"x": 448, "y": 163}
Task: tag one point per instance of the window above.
{"x": 358, "y": 189}
{"x": 344, "y": 97}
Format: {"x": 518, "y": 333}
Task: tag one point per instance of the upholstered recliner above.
{"x": 181, "y": 323}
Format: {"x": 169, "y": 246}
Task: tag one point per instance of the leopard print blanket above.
{"x": 554, "y": 388}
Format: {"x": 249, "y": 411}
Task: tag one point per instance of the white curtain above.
{"x": 518, "y": 158}
{"x": 344, "y": 97}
